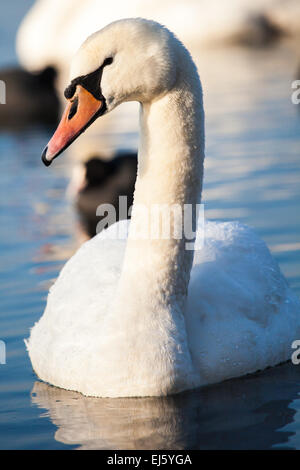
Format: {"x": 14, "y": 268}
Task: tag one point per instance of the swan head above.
{"x": 128, "y": 60}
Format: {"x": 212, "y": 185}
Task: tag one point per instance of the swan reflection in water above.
{"x": 242, "y": 413}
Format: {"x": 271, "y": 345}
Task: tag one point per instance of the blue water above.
{"x": 252, "y": 174}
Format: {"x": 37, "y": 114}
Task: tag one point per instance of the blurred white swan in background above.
{"x": 54, "y": 29}
{"x": 147, "y": 317}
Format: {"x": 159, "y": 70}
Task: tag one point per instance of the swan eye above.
{"x": 108, "y": 61}
{"x": 73, "y": 109}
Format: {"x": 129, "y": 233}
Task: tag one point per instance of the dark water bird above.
{"x": 30, "y": 98}
{"x": 259, "y": 31}
{"x": 105, "y": 182}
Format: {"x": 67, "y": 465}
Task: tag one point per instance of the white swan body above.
{"x": 140, "y": 316}
{"x": 241, "y": 316}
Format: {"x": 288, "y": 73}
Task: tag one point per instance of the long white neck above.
{"x": 170, "y": 173}
{"x": 147, "y": 321}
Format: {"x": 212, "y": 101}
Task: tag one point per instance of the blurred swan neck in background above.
{"x": 170, "y": 174}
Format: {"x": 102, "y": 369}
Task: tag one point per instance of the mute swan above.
{"x": 144, "y": 318}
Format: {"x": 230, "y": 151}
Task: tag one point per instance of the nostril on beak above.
{"x": 44, "y": 159}
{"x": 73, "y": 109}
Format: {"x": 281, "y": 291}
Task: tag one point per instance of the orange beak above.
{"x": 80, "y": 112}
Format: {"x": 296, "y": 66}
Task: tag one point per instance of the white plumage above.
{"x": 138, "y": 317}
